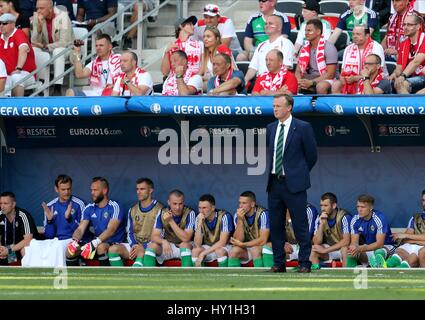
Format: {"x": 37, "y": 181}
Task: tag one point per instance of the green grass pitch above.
{"x": 208, "y": 284}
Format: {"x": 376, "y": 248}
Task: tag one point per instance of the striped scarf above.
{"x": 406, "y": 55}
{"x": 114, "y": 70}
{"x": 353, "y": 63}
{"x": 395, "y": 31}
{"x": 217, "y": 81}
{"x": 304, "y": 57}
{"x": 170, "y": 84}
{"x": 273, "y": 84}
{"x": 124, "y": 90}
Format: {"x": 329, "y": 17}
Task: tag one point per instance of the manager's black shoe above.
{"x": 275, "y": 269}
{"x": 304, "y": 270}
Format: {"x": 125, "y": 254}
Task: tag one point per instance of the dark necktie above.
{"x": 279, "y": 150}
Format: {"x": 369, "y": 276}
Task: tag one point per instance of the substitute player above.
{"x": 331, "y": 232}
{"x": 107, "y": 219}
{"x": 413, "y": 241}
{"x": 212, "y": 233}
{"x": 252, "y": 232}
{"x": 172, "y": 233}
{"x": 371, "y": 240}
{"x": 140, "y": 222}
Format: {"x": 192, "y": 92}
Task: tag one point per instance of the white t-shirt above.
{"x": 283, "y": 44}
{"x": 106, "y": 74}
{"x": 139, "y": 79}
{"x": 327, "y": 30}
{"x": 226, "y": 28}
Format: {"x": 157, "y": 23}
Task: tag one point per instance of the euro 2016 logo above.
{"x": 96, "y": 110}
{"x": 155, "y": 108}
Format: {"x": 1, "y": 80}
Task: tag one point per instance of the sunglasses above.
{"x": 4, "y": 23}
{"x": 214, "y": 10}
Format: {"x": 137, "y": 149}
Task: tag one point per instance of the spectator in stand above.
{"x": 277, "y": 79}
{"x": 194, "y": 49}
{"x": 373, "y": 80}
{"x": 27, "y": 7}
{"x": 353, "y": 62}
{"x": 382, "y": 8}
{"x": 22, "y": 22}
{"x": 226, "y": 80}
{"x": 17, "y": 54}
{"x": 102, "y": 71}
{"x": 133, "y": 81}
{"x": 212, "y": 46}
{"x": 68, "y": 5}
{"x": 181, "y": 80}
{"x": 255, "y": 31}
{"x": 213, "y": 18}
{"x": 358, "y": 14}
{"x": 408, "y": 75}
{"x": 52, "y": 32}
{"x": 276, "y": 41}
{"x": 311, "y": 10}
{"x": 148, "y": 5}
{"x": 395, "y": 29}
{"x": 317, "y": 61}
{"x": 97, "y": 11}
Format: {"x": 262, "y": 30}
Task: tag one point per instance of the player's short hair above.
{"x": 148, "y": 181}
{"x": 62, "y": 178}
{"x": 207, "y": 197}
{"x": 105, "y": 36}
{"x": 365, "y": 198}
{"x": 329, "y": 196}
{"x": 316, "y": 23}
{"x": 176, "y": 192}
{"x": 249, "y": 194}
{"x": 102, "y": 180}
{"x": 9, "y": 194}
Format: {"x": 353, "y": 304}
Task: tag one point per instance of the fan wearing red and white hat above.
{"x": 225, "y": 25}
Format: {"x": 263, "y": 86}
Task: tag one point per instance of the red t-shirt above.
{"x": 290, "y": 81}
{"x": 9, "y": 51}
{"x": 407, "y": 53}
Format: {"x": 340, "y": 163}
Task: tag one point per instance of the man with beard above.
{"x": 107, "y": 219}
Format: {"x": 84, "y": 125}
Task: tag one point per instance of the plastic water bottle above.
{"x": 11, "y": 257}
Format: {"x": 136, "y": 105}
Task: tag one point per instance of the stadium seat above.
{"x": 292, "y": 20}
{"x": 290, "y": 6}
{"x": 243, "y": 66}
{"x": 343, "y": 41}
{"x": 332, "y": 18}
{"x": 41, "y": 58}
{"x": 241, "y": 35}
{"x": 390, "y": 66}
{"x": 333, "y": 6}
{"x": 293, "y": 36}
{"x": 78, "y": 34}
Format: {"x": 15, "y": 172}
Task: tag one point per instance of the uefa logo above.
{"x": 330, "y": 131}
{"x": 338, "y": 109}
{"x": 155, "y": 108}
{"x": 96, "y": 110}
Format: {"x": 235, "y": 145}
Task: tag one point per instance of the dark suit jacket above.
{"x": 383, "y": 8}
{"x": 300, "y": 154}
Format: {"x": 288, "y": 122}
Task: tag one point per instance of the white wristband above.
{"x": 96, "y": 242}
